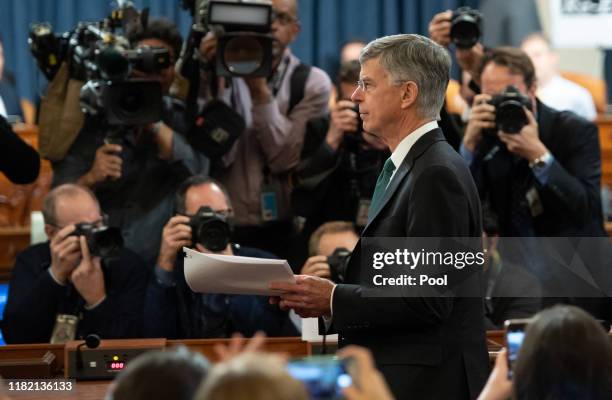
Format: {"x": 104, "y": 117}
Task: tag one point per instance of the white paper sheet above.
{"x": 213, "y": 273}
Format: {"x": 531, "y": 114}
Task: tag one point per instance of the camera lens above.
{"x": 243, "y": 55}
{"x": 214, "y": 235}
{"x": 510, "y": 116}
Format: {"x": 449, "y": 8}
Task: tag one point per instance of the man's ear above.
{"x": 409, "y": 93}
{"x": 49, "y": 231}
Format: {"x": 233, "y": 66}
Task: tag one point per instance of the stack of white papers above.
{"x": 213, "y": 273}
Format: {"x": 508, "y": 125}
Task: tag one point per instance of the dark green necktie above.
{"x": 381, "y": 186}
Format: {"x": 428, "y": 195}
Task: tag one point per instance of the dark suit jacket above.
{"x": 571, "y": 199}
{"x": 427, "y": 347}
{"x": 35, "y": 299}
{"x": 9, "y": 95}
{"x": 18, "y": 160}
{"x": 176, "y": 312}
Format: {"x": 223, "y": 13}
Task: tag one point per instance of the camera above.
{"x": 338, "y": 262}
{"x": 95, "y": 53}
{"x": 244, "y": 41}
{"x": 515, "y": 335}
{"x": 102, "y": 241}
{"x": 510, "y": 116}
{"x": 210, "y": 229}
{"x": 465, "y": 27}
{"x": 325, "y": 377}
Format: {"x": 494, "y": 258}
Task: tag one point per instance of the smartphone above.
{"x": 323, "y": 376}
{"x": 515, "y": 334}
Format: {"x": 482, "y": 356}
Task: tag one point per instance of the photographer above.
{"x": 62, "y": 289}
{"x": 172, "y": 310}
{"x": 257, "y": 168}
{"x": 543, "y": 179}
{"x": 330, "y": 247}
{"x": 340, "y": 164}
{"x": 135, "y": 176}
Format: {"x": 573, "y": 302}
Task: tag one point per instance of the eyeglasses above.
{"x": 283, "y": 18}
{"x": 364, "y": 86}
{"x": 103, "y": 221}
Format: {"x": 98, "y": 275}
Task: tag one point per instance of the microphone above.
{"x": 92, "y": 341}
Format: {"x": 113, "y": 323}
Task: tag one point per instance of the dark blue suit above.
{"x": 176, "y": 312}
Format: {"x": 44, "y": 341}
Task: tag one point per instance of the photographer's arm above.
{"x": 281, "y": 136}
{"x": 173, "y": 147}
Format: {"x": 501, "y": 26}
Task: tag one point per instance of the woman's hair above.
{"x": 253, "y": 376}
{"x": 566, "y": 355}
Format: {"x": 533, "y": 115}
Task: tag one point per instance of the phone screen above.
{"x": 324, "y": 377}
{"x": 515, "y": 334}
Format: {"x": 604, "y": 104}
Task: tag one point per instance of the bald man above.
{"x": 60, "y": 291}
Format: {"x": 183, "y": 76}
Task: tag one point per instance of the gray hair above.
{"x": 49, "y": 210}
{"x": 410, "y": 57}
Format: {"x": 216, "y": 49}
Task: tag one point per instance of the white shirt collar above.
{"x": 406, "y": 144}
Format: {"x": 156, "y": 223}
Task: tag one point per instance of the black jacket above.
{"x": 35, "y": 299}
{"x": 18, "y": 160}
{"x": 176, "y": 312}
{"x": 427, "y": 347}
{"x": 571, "y": 199}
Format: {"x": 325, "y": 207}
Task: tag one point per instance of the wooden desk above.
{"x": 93, "y": 390}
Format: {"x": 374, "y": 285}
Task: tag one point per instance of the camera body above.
{"x": 244, "y": 41}
{"x": 338, "y": 263}
{"x": 510, "y": 117}
{"x": 210, "y": 229}
{"x": 102, "y": 241}
{"x": 466, "y": 28}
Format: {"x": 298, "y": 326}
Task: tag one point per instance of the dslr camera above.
{"x": 338, "y": 262}
{"x": 465, "y": 27}
{"x": 102, "y": 241}
{"x": 210, "y": 229}
{"x": 510, "y": 116}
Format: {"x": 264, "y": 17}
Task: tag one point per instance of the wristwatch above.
{"x": 540, "y": 161}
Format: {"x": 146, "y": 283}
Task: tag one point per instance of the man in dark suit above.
{"x": 172, "y": 309}
{"x": 427, "y": 347}
{"x": 59, "y": 290}
{"x": 543, "y": 180}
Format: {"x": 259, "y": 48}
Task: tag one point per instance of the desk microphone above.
{"x": 92, "y": 341}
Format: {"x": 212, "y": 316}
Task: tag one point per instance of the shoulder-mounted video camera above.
{"x": 97, "y": 54}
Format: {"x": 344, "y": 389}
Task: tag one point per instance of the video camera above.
{"x": 510, "y": 116}
{"x": 96, "y": 54}
{"x": 465, "y": 27}
{"x": 243, "y": 31}
{"x": 210, "y": 229}
{"x": 102, "y": 241}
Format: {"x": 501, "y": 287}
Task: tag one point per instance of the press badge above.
{"x": 269, "y": 205}
{"x": 535, "y": 204}
{"x": 363, "y": 209}
{"x": 64, "y": 329}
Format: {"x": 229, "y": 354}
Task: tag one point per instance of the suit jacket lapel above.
{"x": 415, "y": 152}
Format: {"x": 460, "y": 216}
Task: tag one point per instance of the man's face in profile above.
{"x": 378, "y": 100}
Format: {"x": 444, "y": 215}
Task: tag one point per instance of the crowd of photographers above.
{"x": 257, "y": 157}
